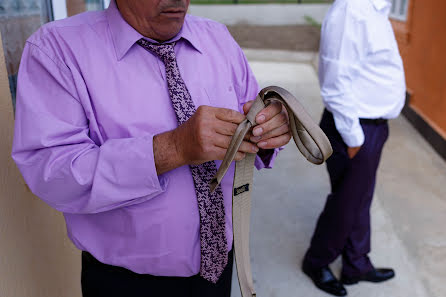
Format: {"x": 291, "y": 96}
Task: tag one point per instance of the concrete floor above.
{"x": 408, "y": 212}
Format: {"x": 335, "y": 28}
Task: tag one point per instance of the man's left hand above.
{"x": 353, "y": 151}
{"x": 272, "y": 130}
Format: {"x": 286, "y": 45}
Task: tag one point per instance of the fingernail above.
{"x": 257, "y": 131}
{"x": 260, "y": 119}
{"x": 261, "y": 144}
{"x": 255, "y": 149}
{"x": 255, "y": 138}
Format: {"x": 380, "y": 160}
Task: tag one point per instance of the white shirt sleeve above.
{"x": 343, "y": 47}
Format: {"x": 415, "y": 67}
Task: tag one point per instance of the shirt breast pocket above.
{"x": 222, "y": 95}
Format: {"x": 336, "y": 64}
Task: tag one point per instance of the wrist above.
{"x": 167, "y": 152}
{"x": 178, "y": 147}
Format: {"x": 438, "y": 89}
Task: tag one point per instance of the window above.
{"x": 20, "y": 18}
{"x": 399, "y": 9}
{"x": 66, "y": 8}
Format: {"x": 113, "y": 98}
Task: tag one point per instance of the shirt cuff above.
{"x": 265, "y": 158}
{"x": 353, "y": 138}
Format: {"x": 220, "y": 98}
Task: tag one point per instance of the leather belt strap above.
{"x": 310, "y": 140}
{"x": 376, "y": 122}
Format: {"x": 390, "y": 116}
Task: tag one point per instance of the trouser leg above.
{"x": 358, "y": 245}
{"x": 352, "y": 183}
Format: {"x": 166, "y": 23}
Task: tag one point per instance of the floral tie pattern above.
{"x": 214, "y": 255}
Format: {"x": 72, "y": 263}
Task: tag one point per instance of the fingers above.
{"x": 247, "y": 106}
{"x": 207, "y": 135}
{"x": 225, "y": 128}
{"x": 218, "y": 125}
{"x": 248, "y": 135}
{"x": 223, "y": 142}
{"x": 239, "y": 156}
{"x": 273, "y": 133}
{"x": 229, "y": 115}
{"x": 248, "y": 147}
{"x": 269, "y": 112}
{"x": 228, "y": 129}
{"x": 275, "y": 142}
{"x": 278, "y": 120}
{"x": 220, "y": 154}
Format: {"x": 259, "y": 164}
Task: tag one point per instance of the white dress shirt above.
{"x": 360, "y": 69}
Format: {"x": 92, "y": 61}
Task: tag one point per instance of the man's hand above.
{"x": 352, "y": 151}
{"x": 204, "y": 137}
{"x": 272, "y": 130}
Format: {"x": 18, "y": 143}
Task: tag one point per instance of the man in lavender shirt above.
{"x": 97, "y": 138}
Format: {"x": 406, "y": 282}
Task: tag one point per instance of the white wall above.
{"x": 36, "y": 257}
{"x": 264, "y": 14}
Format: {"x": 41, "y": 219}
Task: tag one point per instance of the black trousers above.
{"x": 102, "y": 280}
{"x": 343, "y": 227}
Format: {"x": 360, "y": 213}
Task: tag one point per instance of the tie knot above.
{"x": 164, "y": 51}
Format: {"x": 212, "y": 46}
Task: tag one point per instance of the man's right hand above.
{"x": 204, "y": 137}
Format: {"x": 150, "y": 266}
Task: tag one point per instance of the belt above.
{"x": 312, "y": 143}
{"x": 373, "y": 121}
{"x": 376, "y": 122}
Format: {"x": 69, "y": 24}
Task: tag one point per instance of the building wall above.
{"x": 36, "y": 257}
{"x": 422, "y": 41}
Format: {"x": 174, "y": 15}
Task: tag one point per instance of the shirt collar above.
{"x": 125, "y": 36}
{"x": 382, "y": 5}
{"x": 188, "y": 33}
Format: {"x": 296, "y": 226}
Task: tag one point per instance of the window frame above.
{"x": 396, "y": 9}
{"x": 58, "y": 8}
{"x": 105, "y": 3}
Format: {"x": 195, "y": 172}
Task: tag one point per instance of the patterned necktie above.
{"x": 214, "y": 255}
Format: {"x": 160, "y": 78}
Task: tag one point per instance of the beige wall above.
{"x": 36, "y": 257}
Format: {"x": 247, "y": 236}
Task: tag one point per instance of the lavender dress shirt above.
{"x": 89, "y": 102}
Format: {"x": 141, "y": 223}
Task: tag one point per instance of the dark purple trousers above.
{"x": 343, "y": 227}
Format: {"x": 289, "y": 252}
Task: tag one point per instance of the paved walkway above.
{"x": 408, "y": 210}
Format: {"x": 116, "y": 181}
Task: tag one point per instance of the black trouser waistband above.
{"x": 378, "y": 121}
{"x": 103, "y": 280}
{"x": 373, "y": 121}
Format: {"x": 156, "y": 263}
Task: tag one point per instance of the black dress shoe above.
{"x": 324, "y": 279}
{"x": 375, "y": 276}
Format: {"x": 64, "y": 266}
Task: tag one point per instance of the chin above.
{"x": 170, "y": 31}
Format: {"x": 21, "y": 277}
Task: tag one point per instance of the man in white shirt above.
{"x": 362, "y": 84}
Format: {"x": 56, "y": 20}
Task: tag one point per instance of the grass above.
{"x": 312, "y": 21}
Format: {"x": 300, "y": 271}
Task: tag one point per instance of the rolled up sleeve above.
{"x": 59, "y": 161}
